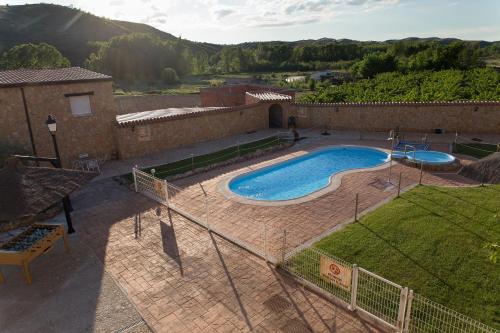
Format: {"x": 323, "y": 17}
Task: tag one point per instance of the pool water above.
{"x": 425, "y": 156}
{"x": 304, "y": 175}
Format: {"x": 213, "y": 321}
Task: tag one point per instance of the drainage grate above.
{"x": 295, "y": 326}
{"x": 277, "y": 303}
{"x": 382, "y": 185}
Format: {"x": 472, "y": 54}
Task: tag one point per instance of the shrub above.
{"x": 169, "y": 76}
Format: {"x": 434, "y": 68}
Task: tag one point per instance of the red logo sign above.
{"x": 334, "y": 269}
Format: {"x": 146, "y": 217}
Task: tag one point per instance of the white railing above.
{"x": 395, "y": 306}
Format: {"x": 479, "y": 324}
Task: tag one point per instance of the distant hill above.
{"x": 69, "y": 29}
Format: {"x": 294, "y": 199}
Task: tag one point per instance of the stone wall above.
{"x": 464, "y": 117}
{"x": 130, "y": 104}
{"x": 13, "y": 125}
{"x": 190, "y": 128}
{"x": 234, "y": 95}
{"x": 92, "y": 134}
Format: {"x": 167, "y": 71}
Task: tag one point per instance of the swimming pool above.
{"x": 304, "y": 175}
{"x": 425, "y": 156}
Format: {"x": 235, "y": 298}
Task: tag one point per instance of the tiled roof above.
{"x": 148, "y": 116}
{"x": 26, "y": 77}
{"x": 270, "y": 96}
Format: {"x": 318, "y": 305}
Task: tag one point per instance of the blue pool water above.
{"x": 304, "y": 175}
{"x": 426, "y": 156}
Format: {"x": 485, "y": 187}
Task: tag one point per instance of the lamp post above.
{"x": 52, "y": 127}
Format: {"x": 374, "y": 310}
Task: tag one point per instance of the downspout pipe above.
{"x": 26, "y": 112}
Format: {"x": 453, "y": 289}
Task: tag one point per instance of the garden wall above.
{"x": 189, "y": 128}
{"x": 464, "y": 117}
{"x": 234, "y": 95}
{"x": 130, "y": 104}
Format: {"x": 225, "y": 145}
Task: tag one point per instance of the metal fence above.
{"x": 229, "y": 153}
{"x": 197, "y": 207}
{"x": 424, "y": 315}
{"x": 395, "y": 306}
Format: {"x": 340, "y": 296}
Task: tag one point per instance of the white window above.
{"x": 80, "y": 105}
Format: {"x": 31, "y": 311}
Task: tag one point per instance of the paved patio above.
{"x": 131, "y": 268}
{"x": 261, "y": 228}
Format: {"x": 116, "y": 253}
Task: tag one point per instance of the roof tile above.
{"x": 26, "y": 77}
{"x": 270, "y": 96}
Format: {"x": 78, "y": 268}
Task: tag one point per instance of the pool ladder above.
{"x": 413, "y": 149}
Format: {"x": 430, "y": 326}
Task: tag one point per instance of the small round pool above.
{"x": 425, "y": 156}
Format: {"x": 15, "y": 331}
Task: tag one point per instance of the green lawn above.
{"x": 182, "y": 166}
{"x": 431, "y": 240}
{"x": 477, "y": 150}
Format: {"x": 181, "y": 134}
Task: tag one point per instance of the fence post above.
{"x": 135, "y": 177}
{"x": 406, "y": 328}
{"x": 192, "y": 162}
{"x": 283, "y": 248}
{"x": 354, "y": 287}
{"x": 356, "y": 208}
{"x": 403, "y": 298}
{"x": 265, "y": 241}
{"x": 421, "y": 172}
{"x": 166, "y": 192}
{"x": 207, "y": 212}
{"x": 399, "y": 183}
{"x": 390, "y": 169}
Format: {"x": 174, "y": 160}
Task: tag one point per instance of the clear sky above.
{"x": 234, "y": 21}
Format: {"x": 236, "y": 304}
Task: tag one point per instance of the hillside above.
{"x": 69, "y": 29}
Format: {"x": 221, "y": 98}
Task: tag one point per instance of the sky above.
{"x": 236, "y": 21}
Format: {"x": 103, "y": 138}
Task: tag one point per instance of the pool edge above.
{"x": 334, "y": 181}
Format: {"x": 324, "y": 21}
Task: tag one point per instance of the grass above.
{"x": 182, "y": 166}
{"x": 432, "y": 239}
{"x": 477, "y": 150}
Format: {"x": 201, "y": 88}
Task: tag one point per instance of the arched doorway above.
{"x": 275, "y": 116}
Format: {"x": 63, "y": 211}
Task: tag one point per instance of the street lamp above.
{"x": 52, "y": 127}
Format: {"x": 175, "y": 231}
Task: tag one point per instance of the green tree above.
{"x": 169, "y": 76}
{"x": 140, "y": 58}
{"x": 34, "y": 56}
{"x": 374, "y": 63}
{"x": 445, "y": 85}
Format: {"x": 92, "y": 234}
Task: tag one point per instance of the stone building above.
{"x": 81, "y": 100}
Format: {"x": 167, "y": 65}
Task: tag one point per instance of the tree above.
{"x": 425, "y": 86}
{"x": 34, "y": 56}
{"x": 169, "y": 76}
{"x": 374, "y": 63}
{"x": 140, "y": 57}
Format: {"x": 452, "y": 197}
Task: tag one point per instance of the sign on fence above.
{"x": 159, "y": 188}
{"x": 334, "y": 272}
